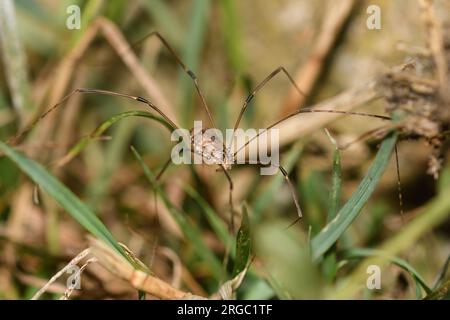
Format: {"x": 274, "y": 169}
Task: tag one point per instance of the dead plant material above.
{"x": 307, "y": 76}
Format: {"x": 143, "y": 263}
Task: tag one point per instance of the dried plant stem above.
{"x": 139, "y": 279}
{"x": 72, "y": 263}
{"x": 307, "y": 76}
{"x": 436, "y": 44}
{"x": 307, "y": 123}
{"x": 70, "y": 289}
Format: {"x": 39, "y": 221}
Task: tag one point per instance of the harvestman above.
{"x": 228, "y": 159}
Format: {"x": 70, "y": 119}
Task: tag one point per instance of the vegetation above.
{"x": 80, "y": 185}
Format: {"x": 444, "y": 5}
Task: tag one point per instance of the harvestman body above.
{"x": 213, "y": 149}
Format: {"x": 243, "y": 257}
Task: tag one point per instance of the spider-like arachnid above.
{"x": 211, "y": 148}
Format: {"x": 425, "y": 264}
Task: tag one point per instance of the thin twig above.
{"x": 139, "y": 279}
{"x": 72, "y": 263}
{"x": 70, "y": 289}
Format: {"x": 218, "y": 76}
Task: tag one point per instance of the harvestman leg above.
{"x": 257, "y": 89}
{"x": 189, "y": 72}
{"x": 291, "y": 189}
{"x": 94, "y": 91}
{"x": 230, "y": 198}
{"x": 399, "y": 184}
{"x": 81, "y": 90}
{"x": 238, "y": 120}
{"x": 158, "y": 177}
{"x": 249, "y": 99}
{"x": 103, "y": 92}
{"x": 361, "y": 138}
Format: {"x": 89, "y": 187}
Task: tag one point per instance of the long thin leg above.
{"x": 17, "y": 138}
{"x": 376, "y": 132}
{"x": 291, "y": 189}
{"x": 259, "y": 87}
{"x": 370, "y": 134}
{"x": 189, "y": 72}
{"x": 293, "y": 193}
{"x": 310, "y": 110}
{"x": 399, "y": 184}
{"x": 158, "y": 177}
{"x": 230, "y": 199}
{"x": 366, "y": 136}
{"x": 163, "y": 169}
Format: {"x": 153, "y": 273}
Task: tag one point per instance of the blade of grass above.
{"x": 285, "y": 256}
{"x": 329, "y": 264}
{"x": 39, "y": 30}
{"x": 192, "y": 233}
{"x": 356, "y": 253}
{"x": 442, "y": 274}
{"x": 66, "y": 199}
{"x": 279, "y": 290}
{"x": 98, "y": 132}
{"x": 441, "y": 293}
{"x": 334, "y": 229}
{"x": 192, "y": 46}
{"x": 165, "y": 20}
{"x": 231, "y": 31}
{"x": 336, "y": 184}
{"x": 14, "y": 61}
{"x": 220, "y": 228}
{"x": 243, "y": 244}
{"x": 257, "y": 289}
{"x": 216, "y": 223}
{"x": 114, "y": 152}
{"x": 435, "y": 212}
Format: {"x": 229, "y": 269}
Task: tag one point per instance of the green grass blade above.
{"x": 114, "y": 154}
{"x": 216, "y": 223}
{"x": 243, "y": 244}
{"x": 192, "y": 47}
{"x": 77, "y": 148}
{"x": 442, "y": 274}
{"x": 441, "y": 293}
{"x": 430, "y": 216}
{"x": 257, "y": 289}
{"x": 285, "y": 258}
{"x": 63, "y": 196}
{"x": 336, "y": 184}
{"x": 232, "y": 34}
{"x": 165, "y": 20}
{"x": 279, "y": 290}
{"x": 356, "y": 253}
{"x": 192, "y": 233}
{"x": 334, "y": 229}
{"x": 14, "y": 61}
{"x": 329, "y": 264}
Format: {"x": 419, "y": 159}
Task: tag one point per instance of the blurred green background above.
{"x": 231, "y": 45}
